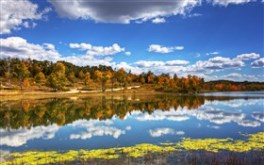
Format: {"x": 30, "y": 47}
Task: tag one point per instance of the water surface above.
{"x": 105, "y": 122}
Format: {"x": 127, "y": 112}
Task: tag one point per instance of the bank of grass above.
{"x": 6, "y": 95}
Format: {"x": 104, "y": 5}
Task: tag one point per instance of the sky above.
{"x": 214, "y": 39}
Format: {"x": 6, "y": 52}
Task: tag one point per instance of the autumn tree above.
{"x": 87, "y": 78}
{"x": 71, "y": 77}
{"x": 40, "y": 77}
{"x": 121, "y": 76}
{"x": 57, "y": 79}
{"x": 81, "y": 75}
{"x": 21, "y": 72}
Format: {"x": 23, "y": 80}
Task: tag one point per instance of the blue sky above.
{"x": 215, "y": 39}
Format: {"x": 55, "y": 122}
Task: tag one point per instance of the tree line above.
{"x": 64, "y": 75}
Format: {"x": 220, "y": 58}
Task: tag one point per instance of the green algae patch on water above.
{"x": 252, "y": 142}
{"x": 141, "y": 150}
{"x": 110, "y": 153}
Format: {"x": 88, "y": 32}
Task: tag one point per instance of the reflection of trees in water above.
{"x": 30, "y": 113}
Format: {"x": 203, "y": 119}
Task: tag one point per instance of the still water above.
{"x": 103, "y": 122}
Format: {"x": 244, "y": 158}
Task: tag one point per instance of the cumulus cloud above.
{"x": 163, "y": 49}
{"x": 176, "y": 62}
{"x": 123, "y": 11}
{"x": 258, "y": 63}
{"x": 248, "y": 56}
{"x": 228, "y": 2}
{"x": 98, "y": 50}
{"x": 80, "y": 46}
{"x": 158, "y": 132}
{"x": 158, "y": 20}
{"x": 219, "y": 63}
{"x": 17, "y": 47}
{"x": 16, "y": 14}
{"x": 19, "y": 137}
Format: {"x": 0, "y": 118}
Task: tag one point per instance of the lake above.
{"x": 121, "y": 121}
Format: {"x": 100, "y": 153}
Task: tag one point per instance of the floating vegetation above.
{"x": 253, "y": 142}
{"x": 141, "y": 150}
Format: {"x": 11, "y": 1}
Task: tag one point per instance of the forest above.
{"x": 31, "y": 74}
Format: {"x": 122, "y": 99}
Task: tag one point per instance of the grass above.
{"x": 6, "y": 95}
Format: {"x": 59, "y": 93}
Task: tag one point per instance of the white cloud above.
{"x": 212, "y": 53}
{"x": 179, "y": 47}
{"x": 219, "y": 63}
{"x": 19, "y": 137}
{"x": 151, "y": 64}
{"x": 83, "y": 60}
{"x": 16, "y": 47}
{"x": 258, "y": 63}
{"x": 128, "y": 53}
{"x": 176, "y": 62}
{"x": 228, "y": 2}
{"x": 123, "y": 11}
{"x": 241, "y": 77}
{"x": 248, "y": 56}
{"x": 158, "y": 20}
{"x": 144, "y": 64}
{"x": 158, "y": 132}
{"x": 16, "y": 14}
{"x": 98, "y": 50}
{"x": 81, "y": 46}
{"x": 160, "y": 49}
{"x": 163, "y": 49}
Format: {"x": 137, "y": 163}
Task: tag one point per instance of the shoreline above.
{"x": 11, "y": 95}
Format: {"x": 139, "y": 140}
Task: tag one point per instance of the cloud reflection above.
{"x": 205, "y": 113}
{"x": 19, "y": 137}
{"x": 96, "y": 128}
{"x": 164, "y": 131}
